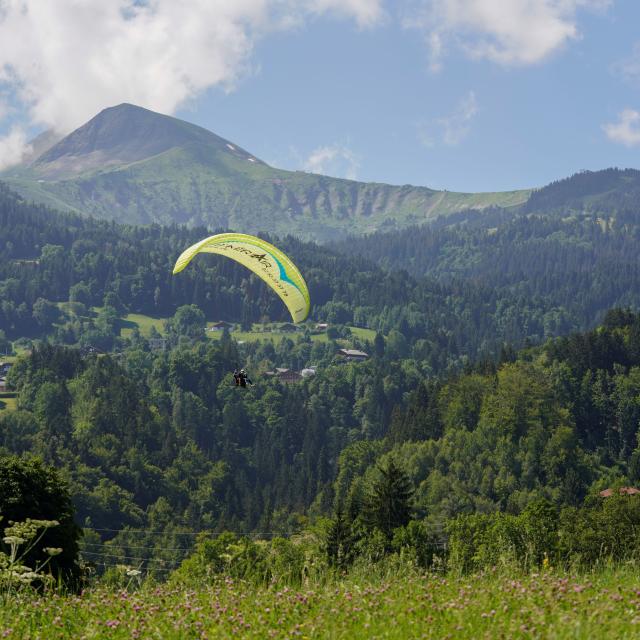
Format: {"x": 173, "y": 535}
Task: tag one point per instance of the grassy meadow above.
{"x": 8, "y": 401}
{"x": 259, "y": 332}
{"x": 550, "y": 604}
{"x": 144, "y": 324}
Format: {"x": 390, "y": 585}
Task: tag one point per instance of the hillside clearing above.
{"x": 8, "y": 402}
{"x": 259, "y": 333}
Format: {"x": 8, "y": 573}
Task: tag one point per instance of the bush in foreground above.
{"x": 31, "y": 490}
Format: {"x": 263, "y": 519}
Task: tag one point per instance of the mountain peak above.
{"x": 124, "y": 134}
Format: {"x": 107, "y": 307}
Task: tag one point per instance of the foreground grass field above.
{"x": 546, "y": 605}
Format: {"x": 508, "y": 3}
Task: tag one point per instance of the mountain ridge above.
{"x": 134, "y": 165}
{"x": 122, "y": 135}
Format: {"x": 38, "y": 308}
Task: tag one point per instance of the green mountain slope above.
{"x": 577, "y": 249}
{"x": 602, "y": 192}
{"x": 134, "y": 165}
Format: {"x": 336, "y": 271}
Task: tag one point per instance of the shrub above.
{"x": 30, "y": 489}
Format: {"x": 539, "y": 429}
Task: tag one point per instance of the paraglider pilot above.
{"x": 241, "y": 378}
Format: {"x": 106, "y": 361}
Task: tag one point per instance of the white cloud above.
{"x": 627, "y": 130}
{"x": 629, "y": 68}
{"x": 333, "y": 160}
{"x": 452, "y": 129}
{"x": 508, "y": 32}
{"x": 13, "y": 147}
{"x": 456, "y": 126}
{"x": 66, "y": 60}
{"x": 367, "y": 13}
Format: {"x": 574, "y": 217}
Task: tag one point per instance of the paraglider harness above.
{"x": 241, "y": 378}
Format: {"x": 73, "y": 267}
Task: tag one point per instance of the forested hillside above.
{"x": 47, "y": 258}
{"x": 579, "y": 263}
{"x": 609, "y": 190}
{"x": 158, "y": 444}
{"x": 163, "y": 442}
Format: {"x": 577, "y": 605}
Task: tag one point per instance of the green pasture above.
{"x": 8, "y": 401}
{"x": 18, "y": 352}
{"x": 144, "y": 324}
{"x": 549, "y": 604}
{"x": 259, "y": 332}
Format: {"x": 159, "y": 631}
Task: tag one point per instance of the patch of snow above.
{"x": 230, "y": 146}
{"x": 251, "y": 159}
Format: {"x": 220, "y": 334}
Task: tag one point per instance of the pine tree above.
{"x": 339, "y": 541}
{"x": 388, "y": 505}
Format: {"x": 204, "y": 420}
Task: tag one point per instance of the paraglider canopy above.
{"x": 263, "y": 259}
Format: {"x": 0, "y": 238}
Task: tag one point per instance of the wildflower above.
{"x": 112, "y": 623}
{"x": 52, "y": 551}
{"x": 545, "y": 561}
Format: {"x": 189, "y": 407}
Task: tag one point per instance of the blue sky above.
{"x": 465, "y": 95}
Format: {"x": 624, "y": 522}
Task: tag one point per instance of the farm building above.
{"x": 157, "y": 344}
{"x": 287, "y": 376}
{"x": 623, "y": 491}
{"x": 221, "y": 326}
{"x": 353, "y": 354}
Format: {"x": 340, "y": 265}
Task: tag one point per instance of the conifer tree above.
{"x": 339, "y": 543}
{"x": 388, "y": 505}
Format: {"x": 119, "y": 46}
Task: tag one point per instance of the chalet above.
{"x": 288, "y": 327}
{"x": 90, "y": 350}
{"x": 221, "y": 326}
{"x": 157, "y": 344}
{"x": 288, "y": 376}
{"x": 3, "y": 385}
{"x": 322, "y": 326}
{"x": 353, "y": 354}
{"x": 275, "y": 372}
{"x": 623, "y": 491}
{"x": 4, "y": 368}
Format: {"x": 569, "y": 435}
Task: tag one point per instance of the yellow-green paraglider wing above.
{"x": 265, "y": 260}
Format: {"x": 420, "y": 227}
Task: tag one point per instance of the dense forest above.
{"x": 608, "y": 190}
{"x": 574, "y": 264}
{"x": 104, "y": 270}
{"x": 162, "y": 442}
{"x": 479, "y": 397}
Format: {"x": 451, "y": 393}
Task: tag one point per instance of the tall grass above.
{"x": 389, "y": 601}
